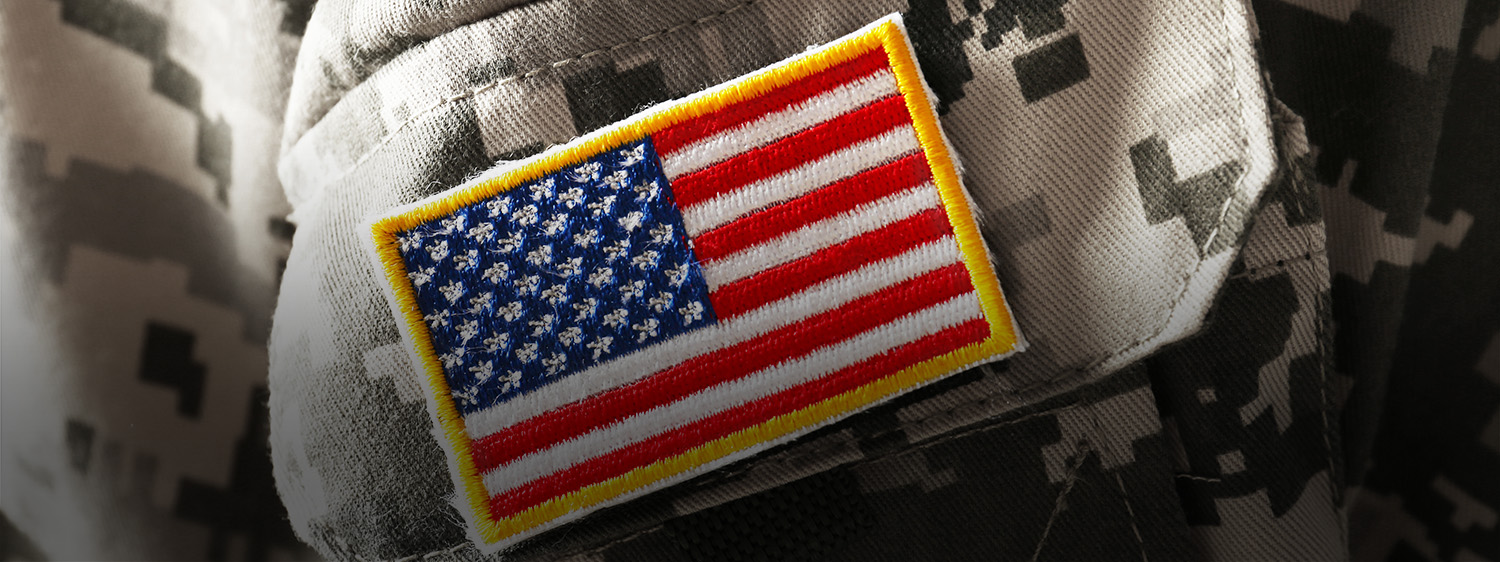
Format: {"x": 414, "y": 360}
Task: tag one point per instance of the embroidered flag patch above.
{"x": 702, "y": 281}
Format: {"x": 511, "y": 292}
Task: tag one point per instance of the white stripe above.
{"x": 819, "y": 235}
{"x": 626, "y": 369}
{"x": 760, "y": 384}
{"x": 773, "y": 126}
{"x": 885, "y": 148}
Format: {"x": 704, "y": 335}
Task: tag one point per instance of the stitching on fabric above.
{"x": 1244, "y": 135}
{"x": 591, "y": 54}
{"x": 423, "y": 556}
{"x": 1186, "y": 476}
{"x": 1279, "y": 264}
{"x": 1131, "y": 510}
{"x": 1084, "y": 450}
{"x": 1325, "y": 407}
{"x": 550, "y": 67}
{"x": 1187, "y": 278}
{"x": 1103, "y": 432}
{"x": 791, "y": 458}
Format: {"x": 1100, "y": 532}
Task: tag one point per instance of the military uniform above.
{"x": 1246, "y": 241}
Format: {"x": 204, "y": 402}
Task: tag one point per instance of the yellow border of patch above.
{"x": 887, "y": 33}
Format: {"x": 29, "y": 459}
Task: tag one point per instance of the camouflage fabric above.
{"x": 1250, "y": 242}
{"x": 144, "y": 231}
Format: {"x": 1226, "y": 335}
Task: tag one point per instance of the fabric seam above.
{"x": 1083, "y": 450}
{"x": 1103, "y": 432}
{"x": 1223, "y": 213}
{"x": 476, "y": 90}
{"x": 867, "y": 460}
{"x": 780, "y": 461}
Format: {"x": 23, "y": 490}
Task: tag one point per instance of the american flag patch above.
{"x": 702, "y": 281}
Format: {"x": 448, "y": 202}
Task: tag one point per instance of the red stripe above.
{"x": 679, "y": 440}
{"x": 697, "y": 128}
{"x": 823, "y": 203}
{"x": 790, "y": 278}
{"x": 788, "y": 342}
{"x": 791, "y": 152}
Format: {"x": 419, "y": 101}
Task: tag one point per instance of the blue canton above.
{"x": 555, "y": 276}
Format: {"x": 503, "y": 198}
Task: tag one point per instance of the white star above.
{"x": 411, "y": 240}
{"x": 497, "y": 206}
{"x": 555, "y": 294}
{"x": 542, "y": 325}
{"x": 510, "y": 381}
{"x": 527, "y": 353}
{"x": 661, "y": 302}
{"x": 587, "y": 172}
{"x": 555, "y": 225}
{"x": 632, "y": 221}
{"x": 467, "y": 397}
{"x": 541, "y": 255}
{"x": 436, "y": 319}
{"x": 647, "y": 191}
{"x": 483, "y": 371}
{"x": 617, "y": 180}
{"x": 467, "y": 330}
{"x": 677, "y": 275}
{"x": 453, "y": 225}
{"x": 613, "y": 251}
{"x": 603, "y": 205}
{"x": 542, "y": 189}
{"x": 526, "y": 216}
{"x": 616, "y": 319}
{"x": 585, "y": 308}
{"x": 691, "y": 313}
{"x": 510, "y": 243}
{"x": 481, "y": 303}
{"x": 481, "y": 232}
{"x": 453, "y": 358}
{"x": 528, "y": 285}
{"x": 633, "y": 155}
{"x": 632, "y": 290}
{"x": 511, "y": 311}
{"x": 421, "y": 276}
{"x": 497, "y": 342}
{"x": 645, "y": 330}
{"x": 600, "y": 346}
{"x": 466, "y": 260}
{"x": 571, "y": 197}
{"x": 555, "y": 363}
{"x": 586, "y": 238}
{"x": 570, "y": 267}
{"x": 646, "y": 261}
{"x": 438, "y": 251}
{"x": 661, "y": 234}
{"x": 601, "y": 277}
{"x": 570, "y": 336}
{"x": 452, "y": 291}
{"x": 497, "y": 272}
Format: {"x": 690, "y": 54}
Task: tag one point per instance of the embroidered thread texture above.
{"x": 710, "y": 277}
{"x": 555, "y": 276}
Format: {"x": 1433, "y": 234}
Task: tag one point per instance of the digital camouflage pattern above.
{"x": 143, "y": 234}
{"x": 1208, "y": 377}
